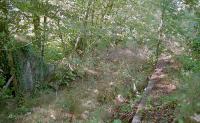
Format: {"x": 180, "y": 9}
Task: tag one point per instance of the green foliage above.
{"x": 65, "y": 76}
{"x": 106, "y": 96}
{"x": 2, "y": 80}
{"x": 22, "y": 110}
{"x": 188, "y": 92}
{"x": 190, "y": 63}
{"x": 191, "y": 2}
{"x": 84, "y": 26}
{"x": 4, "y": 93}
{"x": 196, "y": 47}
{"x": 117, "y": 121}
{"x": 53, "y": 53}
{"x": 71, "y": 104}
{"x": 124, "y": 108}
{"x": 188, "y": 95}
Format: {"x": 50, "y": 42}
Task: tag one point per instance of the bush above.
{"x": 65, "y": 76}
{"x": 196, "y": 45}
{"x": 188, "y": 95}
{"x": 2, "y": 80}
{"x": 189, "y": 63}
{"x": 4, "y": 93}
{"x": 189, "y": 92}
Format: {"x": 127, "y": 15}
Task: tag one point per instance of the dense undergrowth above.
{"x": 188, "y": 91}
{"x": 90, "y": 61}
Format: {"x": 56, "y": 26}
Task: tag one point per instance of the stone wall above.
{"x": 30, "y": 68}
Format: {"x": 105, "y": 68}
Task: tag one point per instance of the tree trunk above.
{"x": 4, "y": 23}
{"x": 82, "y": 38}
{"x": 44, "y": 37}
{"x": 160, "y": 36}
{"x": 4, "y": 35}
{"x": 36, "y": 30}
{"x": 6, "y": 54}
{"x": 60, "y": 35}
{"x": 138, "y": 116}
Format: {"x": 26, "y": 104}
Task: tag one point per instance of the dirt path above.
{"x": 151, "y": 109}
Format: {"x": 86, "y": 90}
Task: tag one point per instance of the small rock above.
{"x": 53, "y": 117}
{"x": 111, "y": 83}
{"x": 28, "y": 113}
{"x": 85, "y": 115}
{"x": 119, "y": 99}
{"x": 196, "y": 118}
{"x": 96, "y": 91}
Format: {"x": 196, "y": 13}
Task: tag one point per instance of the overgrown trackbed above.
{"x": 111, "y": 87}
{"x": 159, "y": 85}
